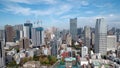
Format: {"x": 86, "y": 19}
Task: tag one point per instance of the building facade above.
{"x": 84, "y": 51}
{"x": 73, "y": 28}
{"x": 87, "y": 36}
{"x": 9, "y": 33}
{"x": 111, "y": 42}
{"x": 27, "y": 29}
{"x": 37, "y": 36}
{"x": 100, "y": 36}
{"x": 24, "y": 43}
{"x": 2, "y": 55}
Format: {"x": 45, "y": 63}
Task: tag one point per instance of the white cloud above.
{"x": 63, "y": 8}
{"x": 16, "y": 9}
{"x": 20, "y": 1}
{"x": 106, "y": 5}
{"x": 34, "y": 1}
{"x": 84, "y": 3}
{"x": 89, "y": 12}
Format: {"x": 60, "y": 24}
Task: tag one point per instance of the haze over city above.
{"x": 58, "y": 12}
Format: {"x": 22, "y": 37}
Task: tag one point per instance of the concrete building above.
{"x": 73, "y": 28}
{"x": 111, "y": 42}
{"x": 18, "y": 27}
{"x": 2, "y": 35}
{"x": 87, "y": 36}
{"x": 27, "y": 29}
{"x": 100, "y": 36}
{"x": 118, "y": 51}
{"x": 83, "y": 61}
{"x": 54, "y": 47}
{"x": 21, "y": 34}
{"x": 92, "y": 38}
{"x": 2, "y": 55}
{"x": 37, "y": 36}
{"x": 24, "y": 43}
{"x": 69, "y": 40}
{"x": 84, "y": 51}
{"x": 9, "y": 33}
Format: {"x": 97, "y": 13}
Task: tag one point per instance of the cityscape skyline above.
{"x": 18, "y": 12}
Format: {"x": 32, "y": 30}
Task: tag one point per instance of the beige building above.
{"x": 111, "y": 42}
{"x": 24, "y": 43}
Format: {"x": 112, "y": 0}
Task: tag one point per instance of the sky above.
{"x": 58, "y": 12}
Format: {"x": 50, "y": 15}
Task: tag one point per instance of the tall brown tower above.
{"x": 9, "y": 33}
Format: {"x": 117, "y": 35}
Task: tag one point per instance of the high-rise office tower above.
{"x": 73, "y": 28}
{"x": 2, "y": 55}
{"x": 9, "y": 33}
{"x": 100, "y": 36}
{"x": 17, "y": 29}
{"x": 87, "y": 36}
{"x": 27, "y": 29}
{"x": 37, "y": 36}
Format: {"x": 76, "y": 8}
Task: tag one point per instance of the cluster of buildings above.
{"x": 28, "y": 40}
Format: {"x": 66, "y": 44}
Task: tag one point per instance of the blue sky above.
{"x": 58, "y": 12}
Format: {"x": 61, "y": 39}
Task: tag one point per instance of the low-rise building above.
{"x": 83, "y": 61}
{"x": 32, "y": 64}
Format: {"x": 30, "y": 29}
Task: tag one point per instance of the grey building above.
{"x": 73, "y": 28}
{"x": 37, "y": 36}
{"x": 2, "y": 54}
{"x": 100, "y": 36}
{"x": 27, "y": 29}
{"x": 18, "y": 27}
{"x": 2, "y": 35}
{"x": 87, "y": 36}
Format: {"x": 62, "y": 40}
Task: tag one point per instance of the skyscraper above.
{"x": 37, "y": 36}
{"x": 100, "y": 36}
{"x": 18, "y": 29}
{"x": 26, "y": 32}
{"x": 73, "y": 28}
{"x": 9, "y": 33}
{"x": 87, "y": 36}
{"x": 27, "y": 29}
{"x": 2, "y": 55}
